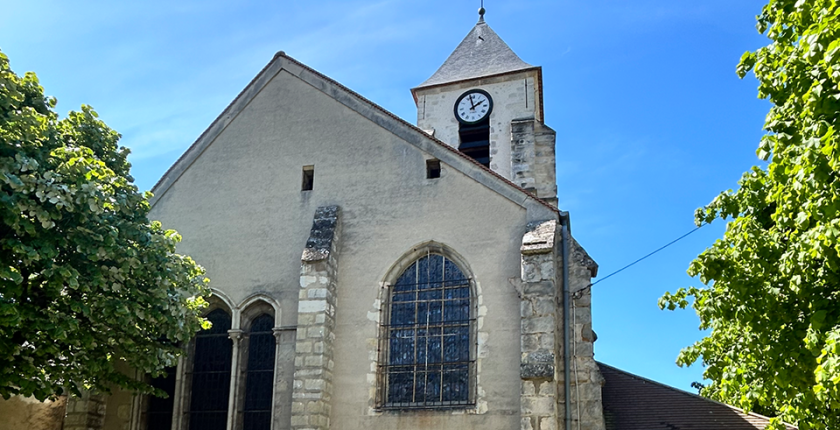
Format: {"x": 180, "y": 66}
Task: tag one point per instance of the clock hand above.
{"x": 472, "y": 103}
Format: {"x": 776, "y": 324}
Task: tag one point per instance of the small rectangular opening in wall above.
{"x": 308, "y": 178}
{"x": 432, "y": 169}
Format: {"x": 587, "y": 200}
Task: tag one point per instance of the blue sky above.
{"x": 652, "y": 121}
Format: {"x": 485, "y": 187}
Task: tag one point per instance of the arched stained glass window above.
{"x": 259, "y": 379}
{"x": 428, "y": 361}
{"x": 211, "y": 375}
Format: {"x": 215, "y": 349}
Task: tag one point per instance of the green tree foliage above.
{"x": 89, "y": 287}
{"x": 772, "y": 294}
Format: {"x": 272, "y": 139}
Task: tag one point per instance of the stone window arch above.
{"x": 427, "y": 336}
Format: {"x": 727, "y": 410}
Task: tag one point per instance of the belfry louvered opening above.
{"x": 427, "y": 346}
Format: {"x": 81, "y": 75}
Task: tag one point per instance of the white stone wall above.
{"x": 515, "y": 96}
{"x": 243, "y": 216}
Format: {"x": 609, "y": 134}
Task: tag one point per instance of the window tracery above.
{"x": 427, "y": 344}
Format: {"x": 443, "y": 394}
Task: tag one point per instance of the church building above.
{"x": 369, "y": 273}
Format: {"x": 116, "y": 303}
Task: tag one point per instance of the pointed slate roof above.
{"x": 481, "y": 53}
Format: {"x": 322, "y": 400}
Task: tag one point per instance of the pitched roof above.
{"x": 364, "y": 107}
{"x": 635, "y": 403}
{"x": 481, "y": 53}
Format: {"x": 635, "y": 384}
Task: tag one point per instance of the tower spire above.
{"x": 481, "y": 12}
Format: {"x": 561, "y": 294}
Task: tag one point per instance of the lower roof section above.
{"x": 635, "y": 403}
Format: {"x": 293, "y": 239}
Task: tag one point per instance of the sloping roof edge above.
{"x": 476, "y": 78}
{"x": 375, "y": 113}
{"x": 686, "y": 393}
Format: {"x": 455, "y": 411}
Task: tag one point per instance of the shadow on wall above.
{"x": 27, "y": 413}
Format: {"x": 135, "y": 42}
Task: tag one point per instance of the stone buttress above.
{"x": 313, "y": 378}
{"x": 541, "y": 366}
{"x": 85, "y": 413}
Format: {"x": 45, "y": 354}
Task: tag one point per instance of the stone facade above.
{"x": 85, "y": 413}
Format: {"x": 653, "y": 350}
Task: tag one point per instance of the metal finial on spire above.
{"x": 481, "y": 12}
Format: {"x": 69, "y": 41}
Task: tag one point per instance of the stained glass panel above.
{"x": 428, "y": 356}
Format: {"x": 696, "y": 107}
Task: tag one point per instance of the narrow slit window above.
{"x": 432, "y": 169}
{"x": 308, "y": 178}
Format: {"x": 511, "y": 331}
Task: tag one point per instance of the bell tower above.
{"x": 486, "y": 102}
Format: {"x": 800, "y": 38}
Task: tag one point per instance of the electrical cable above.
{"x": 577, "y": 293}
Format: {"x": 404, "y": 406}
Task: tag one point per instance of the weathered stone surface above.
{"x": 540, "y": 238}
{"x": 582, "y": 258}
{"x": 533, "y": 158}
{"x": 536, "y": 370}
{"x": 538, "y": 405}
{"x": 541, "y": 324}
{"x": 319, "y": 244}
{"x": 85, "y": 413}
{"x": 24, "y": 413}
{"x": 538, "y": 365}
{"x": 544, "y": 288}
{"x": 539, "y": 313}
{"x": 585, "y": 378}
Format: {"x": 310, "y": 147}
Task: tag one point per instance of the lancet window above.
{"x": 210, "y": 378}
{"x": 259, "y": 377}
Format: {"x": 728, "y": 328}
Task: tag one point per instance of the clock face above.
{"x": 473, "y": 106}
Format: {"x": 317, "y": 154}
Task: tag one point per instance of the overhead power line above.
{"x": 577, "y": 293}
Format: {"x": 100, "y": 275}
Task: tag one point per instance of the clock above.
{"x": 473, "y": 106}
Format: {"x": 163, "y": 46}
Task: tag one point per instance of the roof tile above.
{"x": 635, "y": 403}
{"x": 481, "y": 53}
